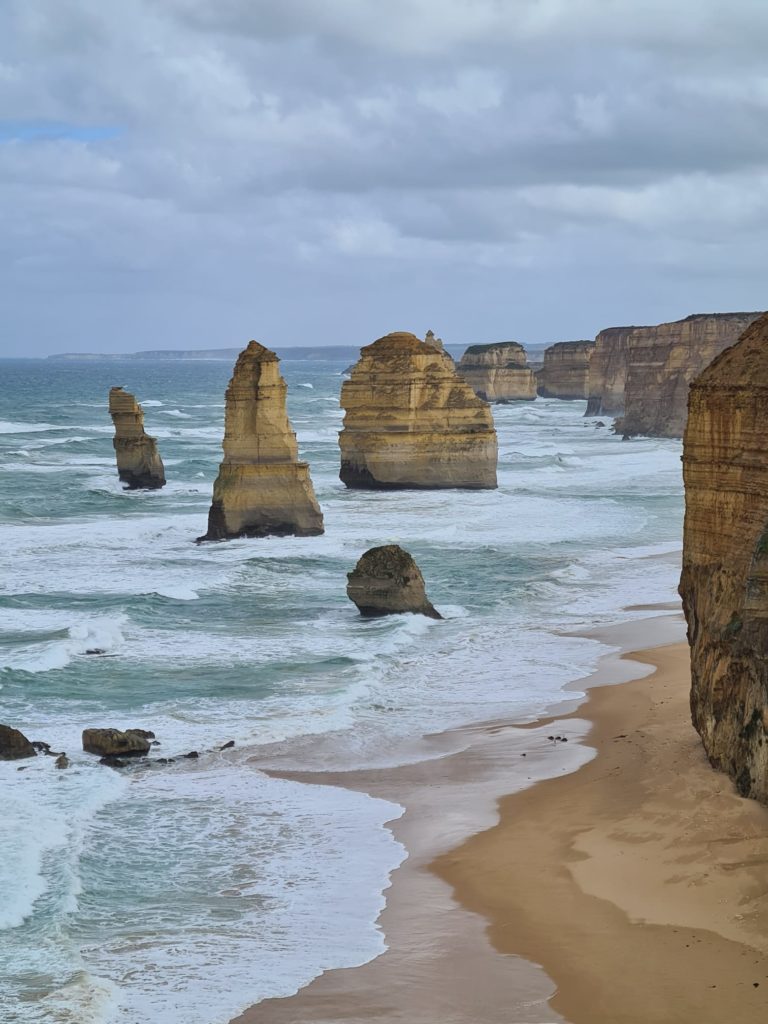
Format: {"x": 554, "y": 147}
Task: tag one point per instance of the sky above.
{"x": 195, "y": 173}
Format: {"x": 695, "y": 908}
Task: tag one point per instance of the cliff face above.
{"x": 608, "y": 371}
{"x": 139, "y": 465}
{"x": 663, "y": 361}
{"x": 412, "y": 422}
{"x": 565, "y": 373}
{"x": 498, "y": 372}
{"x": 262, "y": 489}
{"x": 724, "y": 582}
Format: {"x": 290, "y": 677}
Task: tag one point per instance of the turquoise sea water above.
{"x": 186, "y": 892}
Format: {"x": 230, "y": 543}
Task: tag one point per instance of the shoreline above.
{"x": 438, "y": 907}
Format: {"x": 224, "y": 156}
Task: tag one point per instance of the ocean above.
{"x": 186, "y": 892}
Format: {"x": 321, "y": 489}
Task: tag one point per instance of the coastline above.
{"x": 449, "y": 910}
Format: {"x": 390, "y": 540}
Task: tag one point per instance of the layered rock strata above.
{"x": 499, "y": 372}
{"x": 387, "y": 581}
{"x": 565, "y": 373}
{"x": 14, "y": 745}
{"x": 139, "y": 465}
{"x": 412, "y": 422}
{"x": 608, "y": 371}
{"x": 724, "y": 582}
{"x": 262, "y": 489}
{"x": 662, "y": 363}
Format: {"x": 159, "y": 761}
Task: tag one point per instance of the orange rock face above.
{"x": 565, "y": 373}
{"x": 724, "y": 582}
{"x": 608, "y": 371}
{"x": 139, "y": 465}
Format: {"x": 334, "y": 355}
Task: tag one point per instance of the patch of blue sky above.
{"x": 54, "y": 131}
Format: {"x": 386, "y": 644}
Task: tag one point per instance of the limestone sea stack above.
{"x": 499, "y": 372}
{"x": 662, "y": 363}
{"x": 262, "y": 489}
{"x": 565, "y": 373}
{"x": 724, "y": 582}
{"x": 139, "y": 465}
{"x": 387, "y": 581}
{"x": 608, "y": 371}
{"x": 412, "y": 422}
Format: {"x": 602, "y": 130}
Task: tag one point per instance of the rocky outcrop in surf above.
{"x": 262, "y": 489}
{"x": 139, "y": 465}
{"x": 662, "y": 363}
{"x": 116, "y": 743}
{"x": 499, "y": 372}
{"x": 387, "y": 581}
{"x": 14, "y": 745}
{"x": 565, "y": 373}
{"x": 724, "y": 582}
{"x": 412, "y": 422}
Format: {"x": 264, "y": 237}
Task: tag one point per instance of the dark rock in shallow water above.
{"x": 228, "y": 746}
{"x": 62, "y": 761}
{"x": 192, "y": 754}
{"x": 41, "y": 747}
{"x": 113, "y": 762}
{"x": 14, "y": 745}
{"x": 95, "y": 650}
{"x": 387, "y": 581}
{"x": 114, "y": 743}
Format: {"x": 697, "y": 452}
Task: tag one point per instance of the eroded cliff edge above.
{"x": 499, "y": 372}
{"x": 565, "y": 373}
{"x": 139, "y": 465}
{"x": 412, "y": 422}
{"x": 724, "y": 582}
{"x": 262, "y": 489}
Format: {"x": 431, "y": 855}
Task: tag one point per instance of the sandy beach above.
{"x": 627, "y": 883}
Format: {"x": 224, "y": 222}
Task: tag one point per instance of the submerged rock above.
{"x": 62, "y": 761}
{"x": 111, "y": 743}
{"x": 387, "y": 581}
{"x": 499, "y": 372}
{"x": 412, "y": 422}
{"x": 262, "y": 489}
{"x": 565, "y": 373}
{"x": 139, "y": 465}
{"x": 14, "y": 745}
{"x": 724, "y": 581}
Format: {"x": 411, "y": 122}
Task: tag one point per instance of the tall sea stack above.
{"x": 724, "y": 582}
{"x": 608, "y": 371}
{"x": 262, "y": 489}
{"x": 412, "y": 422}
{"x": 499, "y": 372}
{"x": 565, "y": 373}
{"x": 139, "y": 465}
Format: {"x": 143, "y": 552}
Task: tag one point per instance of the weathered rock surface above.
{"x": 387, "y": 581}
{"x": 139, "y": 465}
{"x": 662, "y": 363}
{"x": 14, "y": 745}
{"x": 430, "y": 339}
{"x": 499, "y": 372}
{"x": 262, "y": 489}
{"x": 412, "y": 422}
{"x": 608, "y": 371}
{"x": 115, "y": 743}
{"x": 724, "y": 582}
{"x": 565, "y": 373}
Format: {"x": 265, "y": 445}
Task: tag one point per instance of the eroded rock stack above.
{"x": 412, "y": 422}
{"x": 608, "y": 371}
{"x": 724, "y": 582}
{"x": 387, "y": 581}
{"x": 139, "y": 465}
{"x": 565, "y": 373}
{"x": 499, "y": 372}
{"x": 262, "y": 489}
{"x": 662, "y": 363}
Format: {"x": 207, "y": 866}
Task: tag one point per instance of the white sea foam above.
{"x": 176, "y": 412}
{"x": 103, "y": 633}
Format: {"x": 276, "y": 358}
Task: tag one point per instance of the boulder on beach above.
{"x": 387, "y": 581}
{"x": 14, "y": 745}
{"x": 115, "y": 743}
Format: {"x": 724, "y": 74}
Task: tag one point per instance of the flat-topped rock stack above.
{"x": 662, "y": 362}
{"x": 139, "y": 465}
{"x": 412, "y": 422}
{"x": 724, "y": 582}
{"x": 262, "y": 489}
{"x": 608, "y": 371}
{"x": 565, "y": 373}
{"x": 499, "y": 372}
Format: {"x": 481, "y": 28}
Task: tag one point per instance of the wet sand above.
{"x": 636, "y": 878}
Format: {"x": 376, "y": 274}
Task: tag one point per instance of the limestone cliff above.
{"x": 412, "y": 422}
{"x": 565, "y": 373}
{"x": 387, "y": 581}
{"x": 608, "y": 371}
{"x": 724, "y": 582}
{"x": 662, "y": 363}
{"x": 499, "y": 372}
{"x": 262, "y": 489}
{"x": 139, "y": 465}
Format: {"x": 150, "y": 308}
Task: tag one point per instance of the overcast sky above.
{"x": 194, "y": 173}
